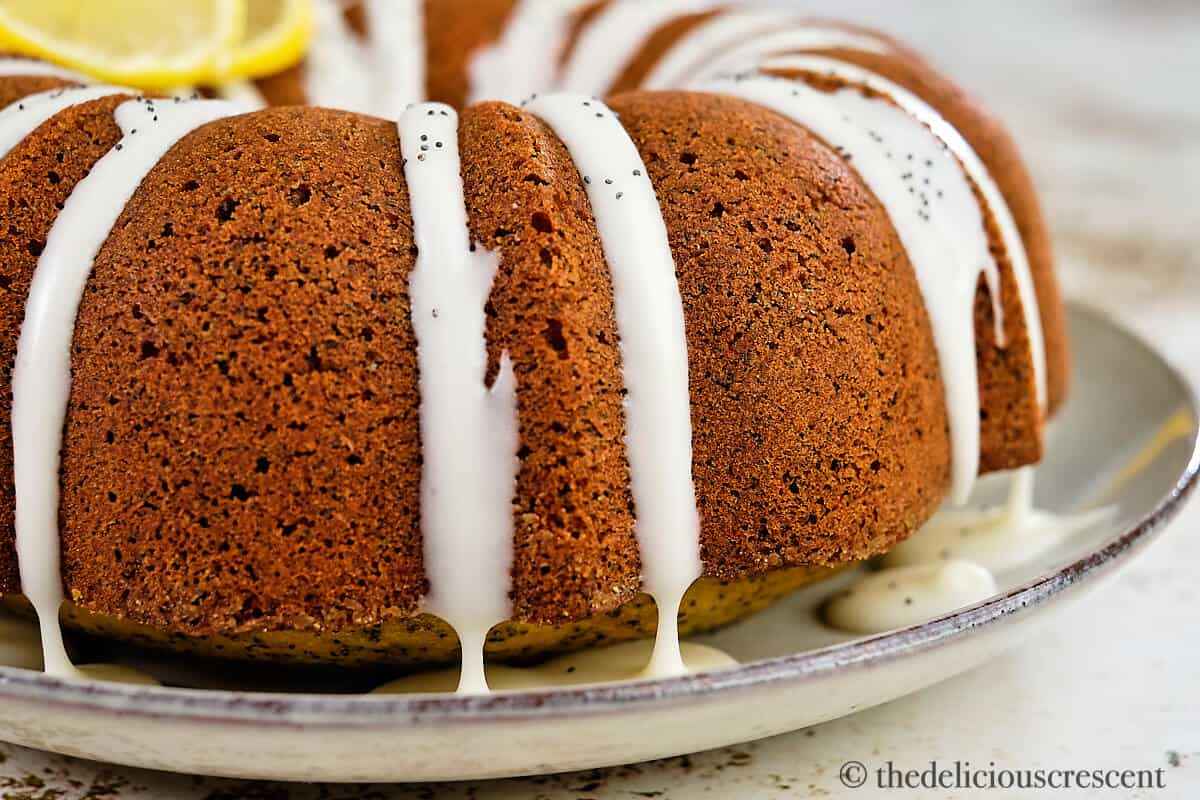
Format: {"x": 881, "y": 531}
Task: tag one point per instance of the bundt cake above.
{"x": 306, "y": 384}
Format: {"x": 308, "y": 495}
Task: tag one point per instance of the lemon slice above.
{"x": 277, "y": 33}
{"x": 153, "y": 44}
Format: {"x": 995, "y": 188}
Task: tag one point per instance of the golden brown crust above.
{"x": 996, "y": 148}
{"x": 1009, "y": 420}
{"x": 242, "y": 449}
{"x": 820, "y": 432}
{"x": 36, "y": 177}
{"x": 551, "y": 310}
{"x": 1011, "y": 424}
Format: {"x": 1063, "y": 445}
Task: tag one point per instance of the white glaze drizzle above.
{"x": 613, "y": 38}
{"x": 41, "y": 382}
{"x": 619, "y": 662}
{"x": 396, "y": 54}
{"x": 903, "y": 596}
{"x": 736, "y": 36}
{"x": 469, "y": 432}
{"x": 751, "y": 54}
{"x": 1020, "y": 496}
{"x": 525, "y": 58}
{"x": 649, "y": 312}
{"x": 936, "y": 214}
{"x": 978, "y": 172}
{"x": 337, "y": 70}
{"x": 23, "y": 117}
{"x": 32, "y": 68}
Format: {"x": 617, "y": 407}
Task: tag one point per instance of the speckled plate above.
{"x": 1128, "y": 437}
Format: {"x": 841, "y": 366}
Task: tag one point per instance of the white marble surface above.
{"x": 1103, "y": 96}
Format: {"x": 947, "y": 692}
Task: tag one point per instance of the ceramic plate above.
{"x": 1127, "y": 438}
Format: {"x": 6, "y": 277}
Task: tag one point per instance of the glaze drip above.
{"x": 468, "y": 431}
{"x": 977, "y": 171}
{"x": 41, "y": 382}
{"x": 654, "y": 353}
{"x": 935, "y": 212}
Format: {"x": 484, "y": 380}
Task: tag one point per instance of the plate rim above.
{"x": 329, "y": 711}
